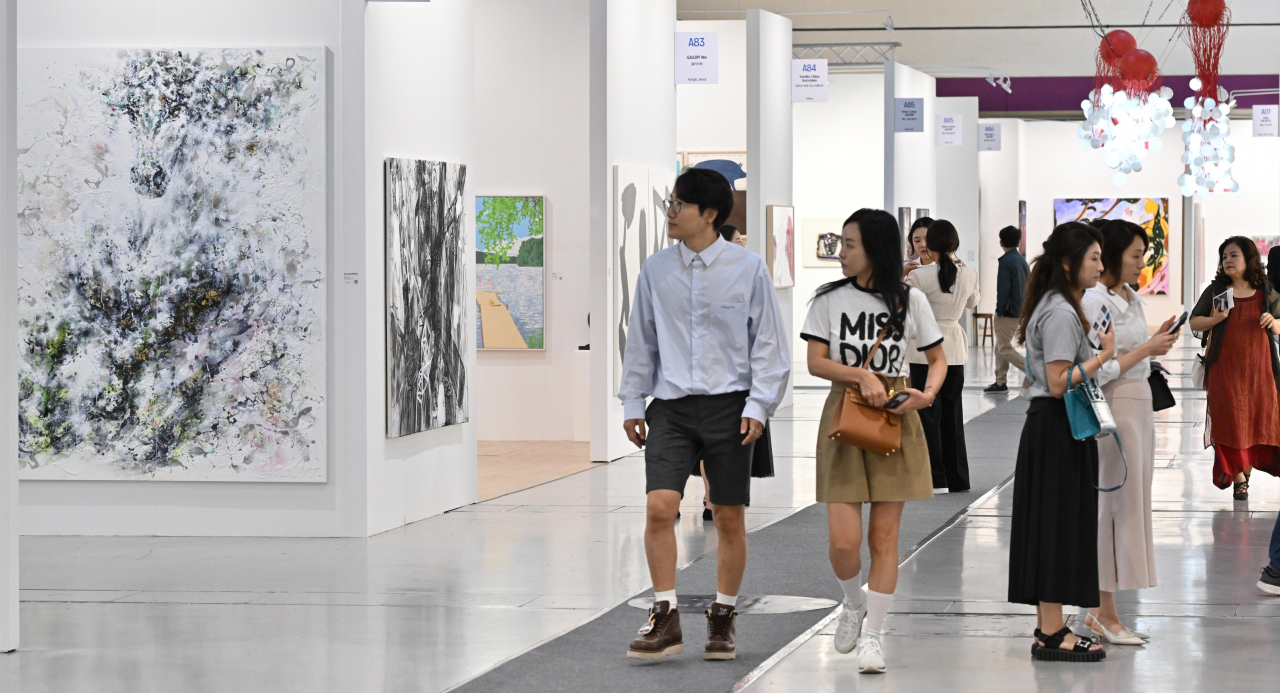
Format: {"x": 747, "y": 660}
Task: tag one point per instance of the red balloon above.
{"x": 1138, "y": 65}
{"x": 1116, "y": 45}
{"x": 1206, "y": 13}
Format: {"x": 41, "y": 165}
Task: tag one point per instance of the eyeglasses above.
{"x": 673, "y": 206}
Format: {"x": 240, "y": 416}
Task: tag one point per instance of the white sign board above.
{"x": 809, "y": 80}
{"x": 1265, "y": 121}
{"x": 989, "y": 137}
{"x": 697, "y": 57}
{"x": 908, "y": 115}
{"x": 951, "y": 129}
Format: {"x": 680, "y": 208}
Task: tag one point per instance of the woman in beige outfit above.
{"x": 951, "y": 289}
{"x": 1126, "y": 550}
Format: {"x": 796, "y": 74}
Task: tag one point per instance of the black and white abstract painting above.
{"x": 639, "y": 231}
{"x": 172, "y": 236}
{"x": 427, "y": 296}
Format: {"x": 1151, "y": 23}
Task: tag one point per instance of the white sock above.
{"x": 877, "y": 608}
{"x": 853, "y": 591}
{"x": 669, "y": 597}
{"x": 722, "y": 598}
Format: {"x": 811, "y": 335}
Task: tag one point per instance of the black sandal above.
{"x": 1242, "y": 490}
{"x": 1081, "y": 651}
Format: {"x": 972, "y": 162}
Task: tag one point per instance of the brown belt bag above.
{"x": 861, "y": 425}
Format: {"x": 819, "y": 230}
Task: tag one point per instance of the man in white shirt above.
{"x": 706, "y": 342}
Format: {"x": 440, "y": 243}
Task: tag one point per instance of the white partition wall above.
{"x": 1000, "y": 191}
{"x": 957, "y": 176}
{"x": 8, "y": 329}
{"x": 532, "y": 134}
{"x": 419, "y": 104}
{"x": 633, "y": 123}
{"x": 769, "y": 133}
{"x": 910, "y": 157}
{"x": 713, "y": 117}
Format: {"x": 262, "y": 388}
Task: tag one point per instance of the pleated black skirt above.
{"x": 1053, "y": 548}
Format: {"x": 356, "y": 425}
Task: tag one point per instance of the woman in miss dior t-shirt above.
{"x": 845, "y": 320}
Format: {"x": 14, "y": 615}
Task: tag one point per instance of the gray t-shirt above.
{"x": 1053, "y": 334}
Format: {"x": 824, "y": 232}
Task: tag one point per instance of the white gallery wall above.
{"x": 910, "y": 162}
{"x": 632, "y": 124}
{"x": 713, "y": 117}
{"x": 1046, "y": 161}
{"x": 999, "y": 189}
{"x": 838, "y": 165}
{"x": 532, "y": 137}
{"x": 8, "y": 328}
{"x": 419, "y": 104}
{"x": 957, "y": 176}
{"x": 769, "y": 137}
{"x": 334, "y": 508}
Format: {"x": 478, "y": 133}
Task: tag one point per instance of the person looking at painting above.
{"x": 1126, "y": 545}
{"x": 707, "y": 343}
{"x": 918, "y": 249}
{"x": 951, "y": 291}
{"x": 1244, "y": 410}
{"x": 859, "y": 330}
{"x": 1011, "y": 285}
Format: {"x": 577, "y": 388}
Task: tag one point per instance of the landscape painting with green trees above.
{"x": 510, "y": 281}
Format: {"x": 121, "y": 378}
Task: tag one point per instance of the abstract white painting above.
{"x": 781, "y": 250}
{"x": 639, "y": 231}
{"x": 172, "y": 235}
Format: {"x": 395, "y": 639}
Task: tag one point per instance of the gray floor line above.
{"x": 804, "y": 637}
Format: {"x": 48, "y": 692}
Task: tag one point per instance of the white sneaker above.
{"x": 940, "y": 491}
{"x": 849, "y": 627}
{"x": 870, "y": 656}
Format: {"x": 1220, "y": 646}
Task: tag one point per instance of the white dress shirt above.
{"x": 1129, "y": 321}
{"x": 705, "y": 324}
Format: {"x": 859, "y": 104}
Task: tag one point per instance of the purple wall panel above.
{"x": 1066, "y": 93}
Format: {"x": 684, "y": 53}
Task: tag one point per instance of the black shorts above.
{"x": 706, "y": 428}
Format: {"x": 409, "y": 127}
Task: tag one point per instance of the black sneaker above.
{"x": 996, "y": 388}
{"x": 1270, "y": 581}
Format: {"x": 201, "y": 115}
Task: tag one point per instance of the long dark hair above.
{"x": 942, "y": 240}
{"x": 1273, "y": 265}
{"x": 1068, "y": 243}
{"x": 882, "y": 241}
{"x": 1252, "y": 263}
{"x": 1117, "y": 236}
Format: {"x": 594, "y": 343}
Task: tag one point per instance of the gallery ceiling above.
{"x": 1023, "y": 38}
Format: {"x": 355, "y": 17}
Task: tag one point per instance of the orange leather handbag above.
{"x": 861, "y": 425}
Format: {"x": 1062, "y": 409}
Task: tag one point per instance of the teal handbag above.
{"x": 1090, "y": 416}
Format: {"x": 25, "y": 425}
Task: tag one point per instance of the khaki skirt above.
{"x": 851, "y": 475}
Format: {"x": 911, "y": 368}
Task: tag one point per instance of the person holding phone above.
{"x": 951, "y": 290}
{"x": 1053, "y": 542}
{"x": 1126, "y": 547}
{"x": 846, "y": 320}
{"x": 1244, "y": 408}
{"x": 919, "y": 250}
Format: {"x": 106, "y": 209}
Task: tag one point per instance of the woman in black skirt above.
{"x": 1053, "y": 548}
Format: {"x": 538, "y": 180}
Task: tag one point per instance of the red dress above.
{"x": 1244, "y": 410}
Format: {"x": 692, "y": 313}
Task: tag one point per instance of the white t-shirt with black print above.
{"x": 850, "y": 320}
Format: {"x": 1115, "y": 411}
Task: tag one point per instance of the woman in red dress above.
{"x": 1244, "y": 410}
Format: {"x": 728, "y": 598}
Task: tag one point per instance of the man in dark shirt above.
{"x": 1011, "y": 284}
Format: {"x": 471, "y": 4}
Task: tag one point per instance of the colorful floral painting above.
{"x": 1152, "y": 214}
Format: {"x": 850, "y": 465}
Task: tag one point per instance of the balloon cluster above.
{"x": 1127, "y": 111}
{"x": 1210, "y": 153}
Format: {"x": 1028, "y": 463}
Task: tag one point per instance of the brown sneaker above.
{"x": 721, "y": 632}
{"x": 659, "y": 637}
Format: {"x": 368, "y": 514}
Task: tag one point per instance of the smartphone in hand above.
{"x": 897, "y": 400}
{"x": 1177, "y": 325}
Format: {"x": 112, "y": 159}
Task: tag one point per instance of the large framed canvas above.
{"x": 732, "y": 164}
{"x": 821, "y": 247}
{"x": 172, "y": 264}
{"x": 1152, "y": 214}
{"x": 426, "y": 296}
{"x": 639, "y": 231}
{"x": 781, "y": 241}
{"x": 510, "y": 278}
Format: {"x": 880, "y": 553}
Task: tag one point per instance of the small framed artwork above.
{"x": 510, "y": 272}
{"x": 780, "y": 239}
{"x": 821, "y": 246}
{"x": 731, "y": 164}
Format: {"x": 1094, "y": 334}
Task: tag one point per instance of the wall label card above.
{"x": 1265, "y": 123}
{"x": 989, "y": 137}
{"x": 697, "y": 57}
{"x": 951, "y": 129}
{"x": 908, "y": 115}
{"x": 809, "y": 81}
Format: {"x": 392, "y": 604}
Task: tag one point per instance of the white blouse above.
{"x": 1129, "y": 322}
{"x": 947, "y": 309}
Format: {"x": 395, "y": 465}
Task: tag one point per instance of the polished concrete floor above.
{"x": 431, "y": 605}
